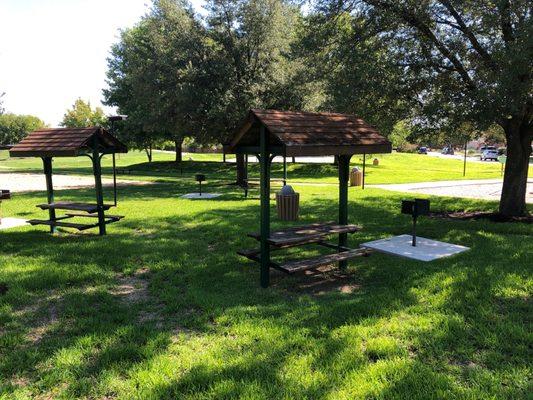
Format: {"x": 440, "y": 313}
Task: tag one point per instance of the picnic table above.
{"x": 316, "y": 233}
{"x": 86, "y": 210}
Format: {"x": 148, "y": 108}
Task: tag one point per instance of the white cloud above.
{"x": 54, "y": 51}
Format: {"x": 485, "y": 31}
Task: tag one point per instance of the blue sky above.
{"x": 54, "y": 51}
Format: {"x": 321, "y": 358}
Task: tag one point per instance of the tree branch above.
{"x": 411, "y": 19}
{"x": 505, "y": 21}
{"x": 470, "y": 35}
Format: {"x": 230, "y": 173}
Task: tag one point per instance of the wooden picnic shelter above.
{"x": 270, "y": 133}
{"x": 92, "y": 142}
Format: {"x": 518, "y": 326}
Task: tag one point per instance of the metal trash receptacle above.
{"x": 288, "y": 203}
{"x": 356, "y": 177}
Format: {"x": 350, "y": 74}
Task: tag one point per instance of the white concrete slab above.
{"x": 198, "y": 196}
{"x": 9, "y": 222}
{"x": 425, "y": 250}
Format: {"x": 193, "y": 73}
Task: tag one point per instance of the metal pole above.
{"x": 97, "y": 170}
{"x": 47, "y": 164}
{"x": 284, "y": 170}
{"x": 265, "y": 207}
{"x": 364, "y": 167}
{"x": 464, "y": 164}
{"x": 344, "y": 173}
{"x": 414, "y": 231}
{"x": 114, "y": 180}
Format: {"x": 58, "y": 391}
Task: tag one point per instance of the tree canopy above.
{"x": 13, "y": 127}
{"x": 82, "y": 115}
{"x": 447, "y": 68}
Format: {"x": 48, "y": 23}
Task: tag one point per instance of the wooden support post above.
{"x": 344, "y": 175}
{"x": 97, "y": 170}
{"x": 47, "y": 164}
{"x": 265, "y": 207}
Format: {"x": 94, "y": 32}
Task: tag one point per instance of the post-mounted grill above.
{"x": 415, "y": 208}
{"x": 200, "y": 178}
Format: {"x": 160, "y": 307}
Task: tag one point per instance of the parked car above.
{"x": 422, "y": 150}
{"x": 448, "y": 150}
{"x": 489, "y": 153}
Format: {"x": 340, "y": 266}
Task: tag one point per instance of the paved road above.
{"x": 486, "y": 189}
{"x": 16, "y": 182}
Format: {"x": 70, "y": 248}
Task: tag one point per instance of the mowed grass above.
{"x": 163, "y": 308}
{"x": 392, "y": 168}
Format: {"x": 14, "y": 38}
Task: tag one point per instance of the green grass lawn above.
{"x": 393, "y": 168}
{"x": 162, "y": 307}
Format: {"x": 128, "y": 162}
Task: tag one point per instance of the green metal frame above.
{"x": 47, "y": 164}
{"x": 96, "y": 158}
{"x": 265, "y": 159}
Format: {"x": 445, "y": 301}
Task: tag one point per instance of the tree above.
{"x": 82, "y": 115}
{"x": 152, "y": 73}
{"x": 253, "y": 61}
{"x": 13, "y": 128}
{"x": 465, "y": 61}
{"x": 2, "y": 110}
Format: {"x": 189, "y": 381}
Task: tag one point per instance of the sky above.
{"x": 54, "y": 51}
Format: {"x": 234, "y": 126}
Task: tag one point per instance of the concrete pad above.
{"x": 198, "y": 196}
{"x": 425, "y": 250}
{"x": 8, "y": 222}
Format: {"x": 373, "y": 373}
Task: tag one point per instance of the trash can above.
{"x": 287, "y": 203}
{"x": 356, "y": 177}
{"x": 375, "y": 162}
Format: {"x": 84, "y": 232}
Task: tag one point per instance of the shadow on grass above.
{"x": 450, "y": 323}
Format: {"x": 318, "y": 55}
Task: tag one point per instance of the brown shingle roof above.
{"x": 63, "y": 142}
{"x": 306, "y": 133}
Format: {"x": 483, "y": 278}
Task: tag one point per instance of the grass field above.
{"x": 162, "y": 307}
{"x": 393, "y": 168}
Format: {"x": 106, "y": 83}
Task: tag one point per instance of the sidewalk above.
{"x": 486, "y": 189}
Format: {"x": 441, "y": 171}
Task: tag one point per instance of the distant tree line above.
{"x": 438, "y": 68}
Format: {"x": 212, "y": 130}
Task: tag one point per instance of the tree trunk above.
{"x": 241, "y": 170}
{"x": 179, "y": 154}
{"x": 513, "y": 198}
{"x": 148, "y": 151}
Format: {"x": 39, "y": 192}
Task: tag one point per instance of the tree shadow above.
{"x": 206, "y": 294}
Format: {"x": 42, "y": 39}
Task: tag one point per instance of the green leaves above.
{"x": 13, "y": 127}
{"x": 82, "y": 115}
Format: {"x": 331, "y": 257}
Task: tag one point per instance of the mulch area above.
{"x": 475, "y": 215}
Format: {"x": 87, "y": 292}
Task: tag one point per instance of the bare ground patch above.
{"x": 319, "y": 281}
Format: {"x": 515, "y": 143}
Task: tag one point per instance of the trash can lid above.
{"x": 287, "y": 190}
{"x": 355, "y": 169}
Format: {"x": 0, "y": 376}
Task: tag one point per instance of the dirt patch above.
{"x": 49, "y": 306}
{"x": 132, "y": 288}
{"x": 320, "y": 281}
{"x": 476, "y": 215}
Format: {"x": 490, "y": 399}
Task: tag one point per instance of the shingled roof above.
{"x": 308, "y": 134}
{"x": 66, "y": 142}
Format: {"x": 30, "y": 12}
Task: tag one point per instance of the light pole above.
{"x": 112, "y": 119}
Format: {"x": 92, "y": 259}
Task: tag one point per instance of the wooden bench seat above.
{"x": 117, "y": 217}
{"x": 68, "y": 205}
{"x": 303, "y": 234}
{"x": 64, "y": 224}
{"x": 302, "y": 265}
